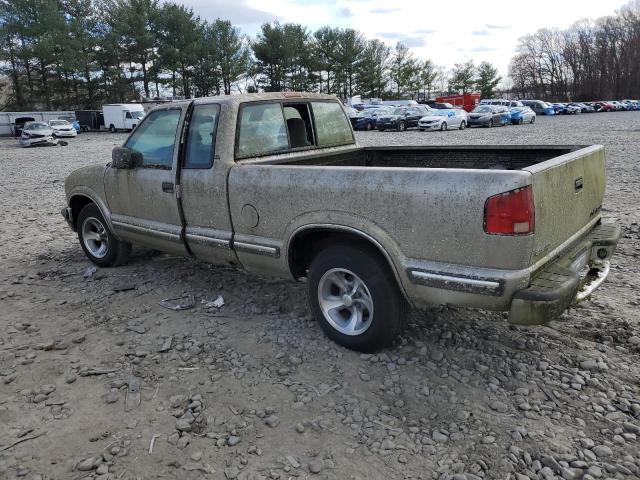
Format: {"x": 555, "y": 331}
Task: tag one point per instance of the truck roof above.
{"x": 253, "y": 97}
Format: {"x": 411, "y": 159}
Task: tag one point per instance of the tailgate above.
{"x": 568, "y": 191}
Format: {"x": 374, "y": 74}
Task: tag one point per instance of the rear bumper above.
{"x": 530, "y": 296}
{"x": 569, "y": 280}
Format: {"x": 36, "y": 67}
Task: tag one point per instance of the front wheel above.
{"x": 463, "y": 125}
{"x": 491, "y": 123}
{"x": 355, "y": 298}
{"x": 533, "y": 120}
{"x": 112, "y": 128}
{"x": 97, "y": 241}
{"x": 444, "y": 127}
{"x": 402, "y": 126}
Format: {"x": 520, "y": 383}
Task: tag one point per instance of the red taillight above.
{"x": 510, "y": 213}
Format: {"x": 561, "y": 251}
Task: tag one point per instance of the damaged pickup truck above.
{"x": 275, "y": 184}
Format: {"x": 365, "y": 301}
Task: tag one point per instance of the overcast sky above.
{"x": 445, "y": 31}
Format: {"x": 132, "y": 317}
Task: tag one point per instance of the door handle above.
{"x": 167, "y": 187}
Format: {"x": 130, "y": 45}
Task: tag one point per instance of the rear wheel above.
{"x": 97, "y": 241}
{"x": 491, "y": 123}
{"x": 355, "y": 297}
{"x": 463, "y": 125}
{"x": 444, "y": 127}
{"x": 112, "y": 128}
{"x": 533, "y": 120}
{"x": 402, "y": 126}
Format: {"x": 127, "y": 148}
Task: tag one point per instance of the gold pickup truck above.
{"x": 275, "y": 184}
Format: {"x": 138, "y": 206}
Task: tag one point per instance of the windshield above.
{"x": 483, "y": 109}
{"x": 58, "y": 122}
{"x": 37, "y": 126}
{"x": 399, "y": 111}
{"x": 137, "y": 114}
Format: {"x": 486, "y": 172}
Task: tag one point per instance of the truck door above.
{"x": 203, "y": 186}
{"x": 142, "y": 200}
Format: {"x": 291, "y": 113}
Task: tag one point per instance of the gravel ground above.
{"x": 98, "y": 381}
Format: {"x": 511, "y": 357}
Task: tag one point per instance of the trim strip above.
{"x": 147, "y": 231}
{"x": 451, "y": 282}
{"x": 257, "y": 249}
{"x": 209, "y": 241}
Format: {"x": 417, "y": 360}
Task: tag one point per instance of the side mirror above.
{"x": 124, "y": 158}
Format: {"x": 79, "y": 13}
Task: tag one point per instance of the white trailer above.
{"x": 9, "y": 120}
{"x": 122, "y": 116}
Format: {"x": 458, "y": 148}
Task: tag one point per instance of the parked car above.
{"x": 618, "y": 106}
{"x": 444, "y": 119}
{"x": 20, "y": 123}
{"x": 489, "y": 116}
{"x": 603, "y": 106}
{"x": 402, "y": 118}
{"x": 632, "y": 104}
{"x": 37, "y": 133}
{"x": 539, "y": 107}
{"x": 501, "y": 102}
{"x": 520, "y": 115}
{"x": 438, "y": 105}
{"x": 584, "y": 108}
{"x": 73, "y": 121}
{"x": 371, "y": 230}
{"x": 367, "y": 118}
{"x": 62, "y": 128}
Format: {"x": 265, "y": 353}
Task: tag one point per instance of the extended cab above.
{"x": 275, "y": 184}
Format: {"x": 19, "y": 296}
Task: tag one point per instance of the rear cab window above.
{"x": 278, "y": 127}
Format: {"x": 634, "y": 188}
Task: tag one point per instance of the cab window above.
{"x": 155, "y": 138}
{"x": 332, "y": 125}
{"x": 262, "y": 130}
{"x": 201, "y": 139}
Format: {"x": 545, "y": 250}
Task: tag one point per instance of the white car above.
{"x": 37, "y": 133}
{"x": 444, "y": 119}
{"x": 62, "y": 128}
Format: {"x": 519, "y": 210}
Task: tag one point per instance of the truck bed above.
{"x": 511, "y": 157}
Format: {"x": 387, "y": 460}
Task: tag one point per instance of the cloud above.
{"x": 482, "y": 48}
{"x": 497, "y": 27}
{"x": 345, "y": 12}
{"x": 481, "y": 33}
{"x": 411, "y": 41}
{"x": 237, "y": 11}
{"x": 424, "y": 31}
{"x": 383, "y": 11}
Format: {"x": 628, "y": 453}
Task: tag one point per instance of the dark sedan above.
{"x": 489, "y": 116}
{"x": 402, "y": 118}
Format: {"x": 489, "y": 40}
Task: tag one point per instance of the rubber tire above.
{"x": 381, "y": 129}
{"x": 422, "y": 129}
{"x": 490, "y": 123}
{"x": 521, "y": 121}
{"x": 112, "y": 129}
{"x": 463, "y": 125}
{"x": 533, "y": 120}
{"x": 402, "y": 127}
{"x": 118, "y": 253}
{"x": 389, "y": 305}
{"x": 444, "y": 127}
{"x": 369, "y": 127}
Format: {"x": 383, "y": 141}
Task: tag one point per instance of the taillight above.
{"x": 510, "y": 213}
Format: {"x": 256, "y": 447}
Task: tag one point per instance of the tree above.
{"x": 232, "y": 52}
{"x": 488, "y": 79}
{"x": 372, "y": 70}
{"x": 403, "y": 68}
{"x": 463, "y": 76}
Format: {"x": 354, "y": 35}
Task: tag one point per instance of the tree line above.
{"x": 591, "y": 60}
{"x": 84, "y": 53}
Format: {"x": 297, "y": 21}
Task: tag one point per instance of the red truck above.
{"x": 468, "y": 101}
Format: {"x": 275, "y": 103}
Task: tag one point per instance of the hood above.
{"x": 44, "y": 133}
{"x": 431, "y": 118}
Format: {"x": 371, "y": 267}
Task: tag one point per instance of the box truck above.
{"x": 122, "y": 116}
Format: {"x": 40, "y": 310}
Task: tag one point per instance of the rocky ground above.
{"x": 99, "y": 381}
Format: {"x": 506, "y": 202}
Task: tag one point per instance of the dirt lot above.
{"x": 93, "y": 372}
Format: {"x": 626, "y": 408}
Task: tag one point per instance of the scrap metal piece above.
{"x": 179, "y": 303}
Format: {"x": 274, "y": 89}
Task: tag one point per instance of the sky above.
{"x": 447, "y": 32}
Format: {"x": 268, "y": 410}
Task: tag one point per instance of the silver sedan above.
{"x": 37, "y": 133}
{"x": 444, "y": 119}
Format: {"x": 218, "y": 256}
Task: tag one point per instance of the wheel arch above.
{"x": 307, "y": 241}
{"x": 77, "y": 201}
